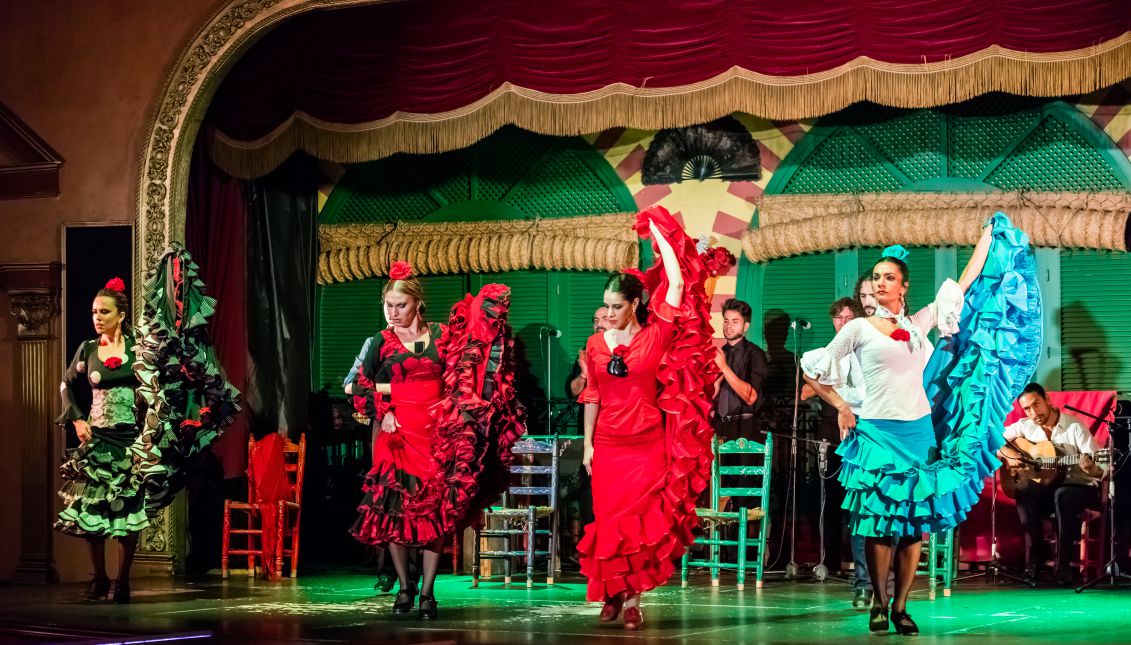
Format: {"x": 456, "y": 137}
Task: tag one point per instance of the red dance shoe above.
{"x": 611, "y": 609}
{"x": 633, "y": 619}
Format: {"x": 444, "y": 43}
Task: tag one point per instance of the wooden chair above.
{"x": 290, "y": 512}
{"x": 756, "y": 479}
{"x": 523, "y": 520}
{"x": 288, "y": 517}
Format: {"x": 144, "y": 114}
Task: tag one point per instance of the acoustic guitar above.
{"x": 1041, "y": 464}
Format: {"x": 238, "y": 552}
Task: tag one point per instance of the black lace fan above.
{"x": 721, "y": 149}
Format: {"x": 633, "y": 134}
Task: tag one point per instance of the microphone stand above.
{"x": 1111, "y": 569}
{"x": 791, "y": 569}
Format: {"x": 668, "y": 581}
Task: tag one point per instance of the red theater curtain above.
{"x": 360, "y": 83}
{"x": 216, "y": 236}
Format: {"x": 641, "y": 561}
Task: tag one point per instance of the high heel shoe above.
{"x": 122, "y": 592}
{"x": 99, "y": 588}
{"x": 611, "y": 609}
{"x": 633, "y": 618}
{"x": 384, "y": 583}
{"x": 428, "y": 610}
{"x": 903, "y": 624}
{"x": 403, "y": 604}
{"x": 878, "y": 618}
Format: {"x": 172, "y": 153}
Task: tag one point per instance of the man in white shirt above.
{"x": 1078, "y": 490}
{"x": 842, "y": 311}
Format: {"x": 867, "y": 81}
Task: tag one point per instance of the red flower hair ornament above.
{"x": 116, "y": 284}
{"x": 400, "y": 270}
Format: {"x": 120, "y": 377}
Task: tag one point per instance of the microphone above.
{"x": 551, "y": 332}
{"x": 1087, "y": 414}
{"x": 800, "y": 322}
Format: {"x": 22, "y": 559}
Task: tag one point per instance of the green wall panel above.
{"x": 1095, "y": 318}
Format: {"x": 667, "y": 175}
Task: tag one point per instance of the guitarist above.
{"x": 1067, "y": 499}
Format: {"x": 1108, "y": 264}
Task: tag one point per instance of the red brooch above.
{"x": 112, "y": 363}
{"x": 620, "y": 350}
{"x": 901, "y": 334}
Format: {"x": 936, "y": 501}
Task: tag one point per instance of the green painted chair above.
{"x": 938, "y": 562}
{"x": 755, "y": 481}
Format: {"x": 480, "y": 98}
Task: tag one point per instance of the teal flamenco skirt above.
{"x": 101, "y": 490}
{"x": 906, "y": 478}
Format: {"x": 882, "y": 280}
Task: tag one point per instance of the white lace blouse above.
{"x": 892, "y": 369}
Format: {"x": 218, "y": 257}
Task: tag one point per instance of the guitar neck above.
{"x": 1069, "y": 460}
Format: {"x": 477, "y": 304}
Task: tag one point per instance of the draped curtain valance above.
{"x": 362, "y": 83}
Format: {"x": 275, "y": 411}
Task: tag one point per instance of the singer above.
{"x": 1067, "y": 498}
{"x": 900, "y": 480}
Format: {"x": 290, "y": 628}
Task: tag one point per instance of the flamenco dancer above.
{"x": 443, "y": 450}
{"x": 121, "y": 475}
{"x": 104, "y": 498}
{"x": 900, "y": 481}
{"x": 647, "y": 435}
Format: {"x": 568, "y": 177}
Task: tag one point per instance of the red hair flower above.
{"x": 116, "y": 284}
{"x": 400, "y": 270}
{"x": 901, "y": 334}
{"x": 112, "y": 363}
{"x": 717, "y": 260}
{"x": 620, "y": 350}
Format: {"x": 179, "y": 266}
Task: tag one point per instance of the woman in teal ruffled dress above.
{"x": 916, "y": 459}
{"x": 103, "y": 493}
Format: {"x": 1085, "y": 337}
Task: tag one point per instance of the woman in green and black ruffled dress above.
{"x": 102, "y": 489}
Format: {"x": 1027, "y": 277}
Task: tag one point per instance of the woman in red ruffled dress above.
{"x": 443, "y": 451}
{"x": 647, "y": 436}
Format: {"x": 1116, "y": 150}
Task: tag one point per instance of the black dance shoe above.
{"x": 427, "y": 609}
{"x": 862, "y": 599}
{"x": 403, "y": 604}
{"x": 385, "y": 583}
{"x": 903, "y": 624}
{"x": 878, "y": 618}
{"x": 99, "y": 588}
{"x": 122, "y": 592}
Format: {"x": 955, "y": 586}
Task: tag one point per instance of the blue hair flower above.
{"x": 896, "y": 251}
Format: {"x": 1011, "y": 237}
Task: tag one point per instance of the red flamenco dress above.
{"x": 458, "y": 417}
{"x": 652, "y": 450}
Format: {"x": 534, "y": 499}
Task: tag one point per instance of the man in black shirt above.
{"x": 739, "y": 390}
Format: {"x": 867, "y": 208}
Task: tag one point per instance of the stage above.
{"x": 342, "y": 607}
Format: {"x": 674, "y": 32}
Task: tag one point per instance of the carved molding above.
{"x": 33, "y": 312}
{"x": 177, "y": 111}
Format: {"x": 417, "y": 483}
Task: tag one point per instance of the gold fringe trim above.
{"x": 994, "y": 69}
{"x": 589, "y": 243}
{"x": 796, "y": 224}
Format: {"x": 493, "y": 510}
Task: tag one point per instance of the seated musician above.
{"x": 1066, "y": 497}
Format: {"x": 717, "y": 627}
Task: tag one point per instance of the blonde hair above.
{"x": 410, "y": 287}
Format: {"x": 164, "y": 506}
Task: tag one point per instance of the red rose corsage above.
{"x": 112, "y": 363}
{"x": 116, "y": 284}
{"x": 617, "y": 366}
{"x": 901, "y": 334}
